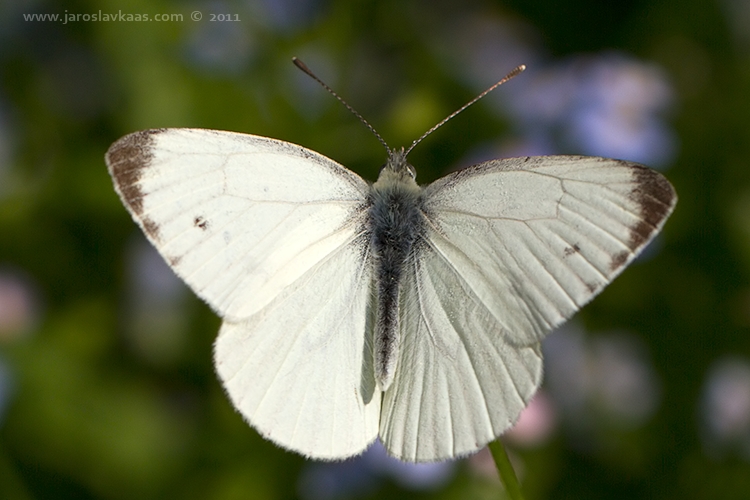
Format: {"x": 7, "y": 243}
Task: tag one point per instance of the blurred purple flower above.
{"x": 536, "y": 423}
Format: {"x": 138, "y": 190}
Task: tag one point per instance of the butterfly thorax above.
{"x": 396, "y": 222}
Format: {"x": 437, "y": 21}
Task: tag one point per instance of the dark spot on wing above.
{"x": 201, "y": 222}
{"x": 174, "y": 261}
{"x": 571, "y": 250}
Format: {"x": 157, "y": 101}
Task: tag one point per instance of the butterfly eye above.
{"x": 412, "y": 171}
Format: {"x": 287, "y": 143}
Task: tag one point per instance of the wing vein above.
{"x": 501, "y": 251}
{"x": 541, "y": 263}
{"x": 561, "y": 261}
{"x": 470, "y": 358}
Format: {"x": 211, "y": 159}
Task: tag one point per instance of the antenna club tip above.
{"x": 301, "y": 65}
{"x": 516, "y": 71}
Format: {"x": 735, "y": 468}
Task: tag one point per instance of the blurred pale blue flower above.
{"x": 156, "y": 319}
{"x": 425, "y": 476}
{"x": 303, "y": 92}
{"x": 480, "y": 48}
{"x": 337, "y": 480}
{"x": 286, "y": 16}
{"x": 605, "y": 105}
{"x": 725, "y": 408}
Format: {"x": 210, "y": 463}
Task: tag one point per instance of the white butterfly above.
{"x": 354, "y": 310}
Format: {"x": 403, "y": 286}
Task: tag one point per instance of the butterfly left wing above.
{"x": 273, "y": 237}
{"x": 513, "y": 248}
{"x": 238, "y": 217}
{"x": 301, "y": 370}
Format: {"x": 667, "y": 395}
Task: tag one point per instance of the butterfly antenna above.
{"x": 516, "y": 71}
{"x": 312, "y": 75}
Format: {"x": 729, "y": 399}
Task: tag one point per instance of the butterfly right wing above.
{"x": 512, "y": 249}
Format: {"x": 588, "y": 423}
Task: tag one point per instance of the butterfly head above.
{"x": 397, "y": 170}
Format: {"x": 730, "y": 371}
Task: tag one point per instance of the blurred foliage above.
{"x": 96, "y": 409}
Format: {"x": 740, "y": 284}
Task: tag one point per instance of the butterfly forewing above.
{"x": 539, "y": 237}
{"x": 238, "y": 217}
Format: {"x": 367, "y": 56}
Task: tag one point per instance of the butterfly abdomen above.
{"x": 396, "y": 222}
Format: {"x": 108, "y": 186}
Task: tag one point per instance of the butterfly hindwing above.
{"x": 460, "y": 382}
{"x": 301, "y": 370}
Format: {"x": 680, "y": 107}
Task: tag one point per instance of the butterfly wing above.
{"x": 270, "y": 235}
{"x": 513, "y": 248}
{"x": 301, "y": 371}
{"x": 459, "y": 381}
{"x": 238, "y": 217}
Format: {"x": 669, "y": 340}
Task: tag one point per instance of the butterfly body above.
{"x": 396, "y": 224}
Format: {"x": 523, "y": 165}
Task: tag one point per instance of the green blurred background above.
{"x": 107, "y": 388}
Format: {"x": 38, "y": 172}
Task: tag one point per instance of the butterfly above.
{"x": 355, "y": 310}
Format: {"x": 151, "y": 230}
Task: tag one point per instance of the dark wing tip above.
{"x": 126, "y": 159}
{"x": 656, "y": 198}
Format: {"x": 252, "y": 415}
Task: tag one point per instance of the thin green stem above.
{"x": 505, "y": 469}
